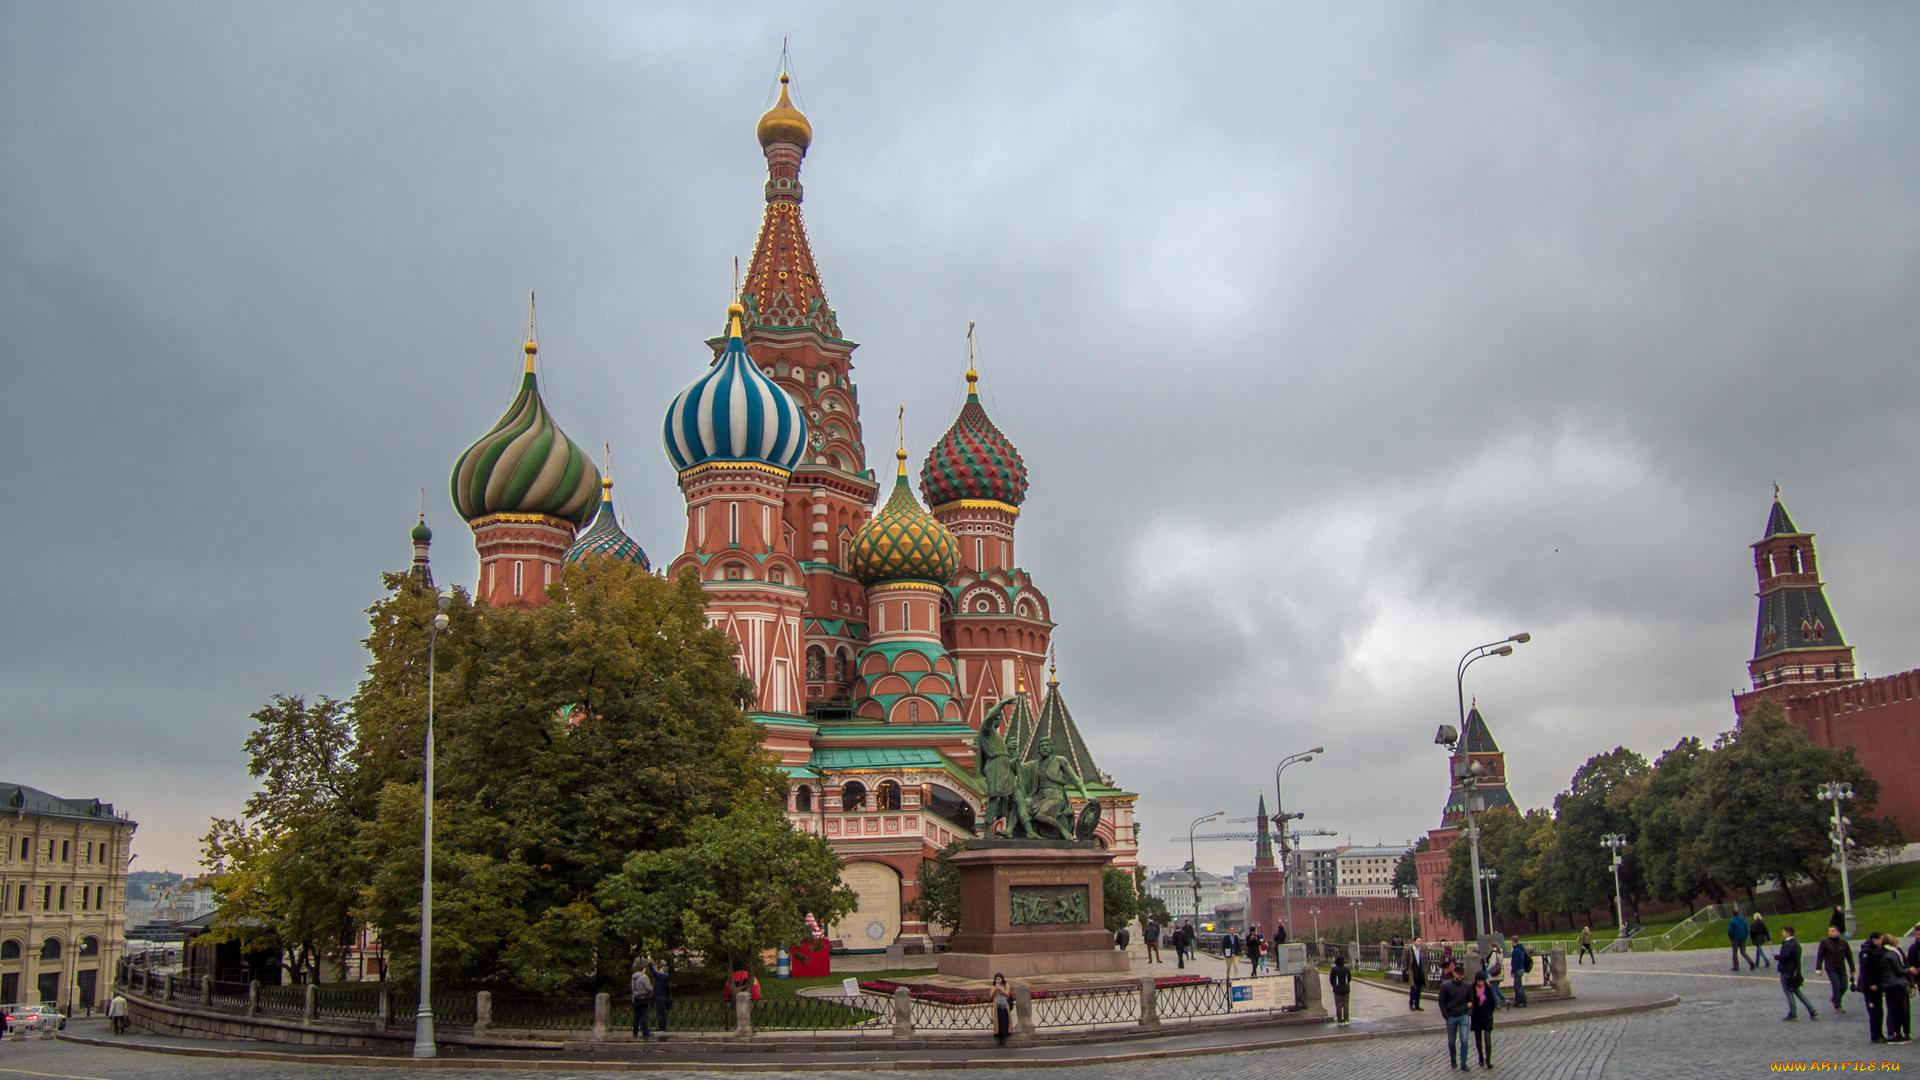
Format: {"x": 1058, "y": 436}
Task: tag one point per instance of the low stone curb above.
{"x": 988, "y": 1060}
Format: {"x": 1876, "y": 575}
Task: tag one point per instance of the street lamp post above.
{"x": 1614, "y": 842}
{"x": 423, "y": 1041}
{"x": 1356, "y": 905}
{"x": 1837, "y": 792}
{"x": 1470, "y": 772}
{"x": 1193, "y": 863}
{"x": 1487, "y": 878}
{"x": 1315, "y": 912}
{"x": 1281, "y": 817}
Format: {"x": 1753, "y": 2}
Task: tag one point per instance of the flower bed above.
{"x": 941, "y": 995}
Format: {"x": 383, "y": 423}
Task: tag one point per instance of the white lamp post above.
{"x": 423, "y": 1041}
{"x": 1837, "y": 792}
{"x": 1281, "y": 817}
{"x": 1470, "y": 774}
{"x": 1614, "y": 842}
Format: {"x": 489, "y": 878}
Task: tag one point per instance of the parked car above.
{"x": 35, "y": 1018}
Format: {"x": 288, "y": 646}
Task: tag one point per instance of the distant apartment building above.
{"x": 1368, "y": 871}
{"x": 1315, "y": 871}
{"x": 1174, "y": 888}
{"x": 63, "y": 896}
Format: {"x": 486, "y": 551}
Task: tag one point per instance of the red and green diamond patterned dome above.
{"x": 973, "y": 460}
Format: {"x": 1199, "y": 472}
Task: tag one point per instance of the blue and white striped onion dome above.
{"x": 735, "y": 413}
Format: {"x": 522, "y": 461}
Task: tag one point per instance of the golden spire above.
{"x": 532, "y": 347}
{"x": 1053, "y": 666}
{"x": 735, "y": 312}
{"x": 606, "y": 472}
{"x": 901, "y": 454}
{"x": 1020, "y": 679}
{"x": 973, "y": 377}
{"x": 783, "y": 123}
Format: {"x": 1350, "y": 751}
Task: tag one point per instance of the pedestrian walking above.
{"x": 1230, "y": 952}
{"x": 1456, "y": 1009}
{"x": 1416, "y": 973}
{"x": 1737, "y": 937}
{"x": 1896, "y": 987}
{"x": 1124, "y": 938}
{"x": 117, "y": 1013}
{"x": 1152, "y": 936}
{"x": 662, "y": 996}
{"x": 1522, "y": 967}
{"x": 1340, "y": 981}
{"x": 1002, "y": 1009}
{"x": 1790, "y": 979}
{"x": 1758, "y": 936}
{"x": 1480, "y": 1022}
{"x": 1838, "y": 920}
{"x": 1836, "y": 959}
{"x": 1872, "y": 952}
{"x": 1586, "y": 945}
{"x": 1180, "y": 945}
{"x": 640, "y": 988}
{"x": 1494, "y": 968}
{"x": 1261, "y": 948}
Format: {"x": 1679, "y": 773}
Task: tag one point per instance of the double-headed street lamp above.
{"x": 1193, "y": 863}
{"x": 1614, "y": 842}
{"x": 1467, "y": 774}
{"x": 1281, "y": 817}
{"x": 1356, "y": 905}
{"x": 423, "y": 1042}
{"x": 1837, "y": 792}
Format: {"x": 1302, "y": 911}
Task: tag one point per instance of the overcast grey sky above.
{"x": 1338, "y": 338}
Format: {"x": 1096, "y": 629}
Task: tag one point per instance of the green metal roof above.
{"x": 800, "y": 772}
{"x": 876, "y": 757}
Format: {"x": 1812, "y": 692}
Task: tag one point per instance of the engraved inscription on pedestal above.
{"x": 1047, "y": 905}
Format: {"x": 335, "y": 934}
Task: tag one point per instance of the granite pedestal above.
{"x": 1031, "y": 908}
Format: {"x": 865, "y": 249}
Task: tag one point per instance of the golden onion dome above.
{"x": 785, "y": 124}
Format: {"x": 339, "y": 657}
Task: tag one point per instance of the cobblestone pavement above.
{"x": 1727, "y": 1026}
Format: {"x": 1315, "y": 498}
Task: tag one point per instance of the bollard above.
{"x": 1558, "y": 971}
{"x": 1149, "y": 1003}
{"x": 742, "y": 1013}
{"x": 1022, "y": 1009}
{"x": 902, "y": 1011}
{"x": 483, "y": 1010}
{"x": 1307, "y": 991}
{"x": 383, "y": 1008}
{"x": 602, "y": 1014}
{"x": 206, "y": 990}
{"x": 253, "y": 998}
{"x": 166, "y": 994}
{"x": 310, "y": 1009}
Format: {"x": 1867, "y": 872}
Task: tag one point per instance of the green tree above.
{"x": 1406, "y": 875}
{"x": 1503, "y": 843}
{"x": 738, "y": 885}
{"x": 283, "y": 876}
{"x": 1121, "y": 900}
{"x": 1598, "y": 802}
{"x": 1668, "y": 817}
{"x": 1154, "y": 909}
{"x": 939, "y": 899}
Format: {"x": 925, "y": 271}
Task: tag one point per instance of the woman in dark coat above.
{"x": 1480, "y": 1020}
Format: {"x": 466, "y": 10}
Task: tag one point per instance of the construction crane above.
{"x": 1296, "y": 835}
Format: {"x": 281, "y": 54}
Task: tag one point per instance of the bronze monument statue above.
{"x": 1031, "y": 793}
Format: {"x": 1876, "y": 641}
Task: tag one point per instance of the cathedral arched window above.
{"x": 816, "y": 664}
{"x": 853, "y": 795}
{"x": 913, "y": 712}
{"x": 803, "y": 798}
{"x": 887, "y": 796}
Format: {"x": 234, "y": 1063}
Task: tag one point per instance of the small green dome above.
{"x": 421, "y": 534}
{"x": 903, "y": 542}
{"x": 526, "y": 465}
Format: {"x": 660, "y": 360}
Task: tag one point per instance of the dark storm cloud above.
{"x": 1337, "y": 341}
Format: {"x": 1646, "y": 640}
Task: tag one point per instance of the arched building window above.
{"x": 50, "y": 949}
{"x": 887, "y": 796}
{"x": 89, "y": 946}
{"x": 9, "y": 950}
{"x": 803, "y": 798}
{"x": 853, "y": 795}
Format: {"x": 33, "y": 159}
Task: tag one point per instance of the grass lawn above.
{"x": 1876, "y": 906}
{"x": 771, "y": 987}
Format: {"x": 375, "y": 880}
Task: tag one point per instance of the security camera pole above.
{"x": 1836, "y": 793}
{"x": 1469, "y": 771}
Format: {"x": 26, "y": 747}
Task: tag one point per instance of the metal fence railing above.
{"x": 1188, "y": 1000}
{"x": 1087, "y": 1009}
{"x": 860, "y": 1012}
{"x": 539, "y": 1013}
{"x": 347, "y": 1001}
{"x": 935, "y": 1016}
{"x": 229, "y": 995}
{"x": 283, "y": 1001}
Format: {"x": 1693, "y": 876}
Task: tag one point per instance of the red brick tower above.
{"x": 793, "y": 335}
{"x": 1797, "y": 646}
{"x": 998, "y": 628}
{"x": 524, "y": 488}
{"x": 1267, "y": 883}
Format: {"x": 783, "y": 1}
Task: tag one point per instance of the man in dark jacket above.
{"x": 1872, "y": 953}
{"x": 1522, "y": 965}
{"x": 1790, "y": 978}
{"x": 662, "y": 996}
{"x": 1836, "y": 959}
{"x": 1759, "y": 935}
{"x": 1893, "y": 988}
{"x": 1416, "y": 961}
{"x": 1152, "y": 936}
{"x": 1456, "y": 1008}
{"x": 1340, "y": 981}
{"x": 1737, "y": 937}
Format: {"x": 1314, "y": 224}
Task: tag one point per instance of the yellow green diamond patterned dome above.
{"x": 903, "y": 542}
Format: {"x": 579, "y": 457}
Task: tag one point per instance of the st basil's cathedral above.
{"x": 877, "y": 639}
